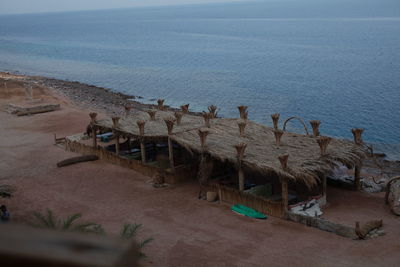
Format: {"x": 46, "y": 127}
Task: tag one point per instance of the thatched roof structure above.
{"x": 305, "y": 162}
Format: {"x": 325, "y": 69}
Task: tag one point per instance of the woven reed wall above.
{"x": 234, "y": 196}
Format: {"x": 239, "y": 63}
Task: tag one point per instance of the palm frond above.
{"x": 145, "y": 242}
{"x": 51, "y": 220}
{"x": 47, "y": 221}
{"x": 70, "y": 220}
{"x": 129, "y": 230}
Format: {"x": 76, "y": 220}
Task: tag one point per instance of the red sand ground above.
{"x": 187, "y": 231}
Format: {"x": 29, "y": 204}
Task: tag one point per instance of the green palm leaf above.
{"x": 145, "y": 242}
{"x": 47, "y": 221}
{"x": 70, "y": 220}
{"x": 129, "y": 230}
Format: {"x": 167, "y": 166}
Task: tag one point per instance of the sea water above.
{"x": 337, "y": 61}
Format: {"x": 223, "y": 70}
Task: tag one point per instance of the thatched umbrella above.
{"x": 315, "y": 127}
{"x": 275, "y": 120}
{"x": 152, "y": 114}
{"x": 185, "y": 108}
{"x": 240, "y": 149}
{"x": 207, "y": 117}
{"x": 283, "y": 159}
{"x": 357, "y": 134}
{"x": 243, "y": 112}
{"x": 170, "y": 126}
{"x": 178, "y": 116}
{"x": 203, "y": 136}
{"x": 115, "y": 121}
{"x": 93, "y": 116}
{"x": 160, "y": 103}
{"x": 242, "y": 126}
{"x": 278, "y": 135}
{"x": 141, "y": 124}
{"x": 169, "y": 122}
{"x": 127, "y": 109}
{"x": 323, "y": 142}
{"x": 213, "y": 111}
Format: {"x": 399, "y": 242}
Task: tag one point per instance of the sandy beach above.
{"x": 186, "y": 231}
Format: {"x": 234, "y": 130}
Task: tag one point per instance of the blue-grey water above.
{"x": 333, "y": 60}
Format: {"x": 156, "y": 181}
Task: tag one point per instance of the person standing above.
{"x": 5, "y": 215}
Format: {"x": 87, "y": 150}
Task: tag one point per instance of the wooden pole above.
{"x": 141, "y": 125}
{"x": 171, "y": 155}
{"x": 241, "y": 179}
{"x": 324, "y": 198}
{"x": 117, "y": 144}
{"x": 285, "y": 194}
{"x": 129, "y": 144}
{"x": 143, "y": 151}
{"x": 357, "y": 177}
{"x": 94, "y": 135}
{"x": 240, "y": 149}
{"x": 324, "y": 185}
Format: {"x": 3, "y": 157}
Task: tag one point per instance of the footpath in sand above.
{"x": 187, "y": 231}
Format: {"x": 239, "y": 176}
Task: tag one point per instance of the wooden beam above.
{"x": 41, "y": 108}
{"x": 285, "y": 194}
{"x": 75, "y": 160}
{"x": 171, "y": 155}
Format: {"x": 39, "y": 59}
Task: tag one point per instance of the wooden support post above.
{"x": 241, "y": 179}
{"x": 357, "y": 177}
{"x": 129, "y": 144}
{"x": 117, "y": 144}
{"x": 94, "y": 135}
{"x": 171, "y": 155}
{"x": 285, "y": 194}
{"x": 143, "y": 151}
{"x": 324, "y": 185}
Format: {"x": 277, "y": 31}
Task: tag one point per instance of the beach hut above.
{"x": 242, "y": 161}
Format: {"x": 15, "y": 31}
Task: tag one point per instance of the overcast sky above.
{"x": 33, "y": 6}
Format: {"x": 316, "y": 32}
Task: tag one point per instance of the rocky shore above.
{"x": 81, "y": 94}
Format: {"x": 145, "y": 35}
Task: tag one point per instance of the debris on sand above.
{"x": 75, "y": 160}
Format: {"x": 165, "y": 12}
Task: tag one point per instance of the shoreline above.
{"x": 111, "y": 102}
{"x": 87, "y": 96}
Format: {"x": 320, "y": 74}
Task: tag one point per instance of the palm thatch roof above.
{"x": 305, "y": 162}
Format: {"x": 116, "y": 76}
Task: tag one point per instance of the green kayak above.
{"x": 249, "y": 212}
